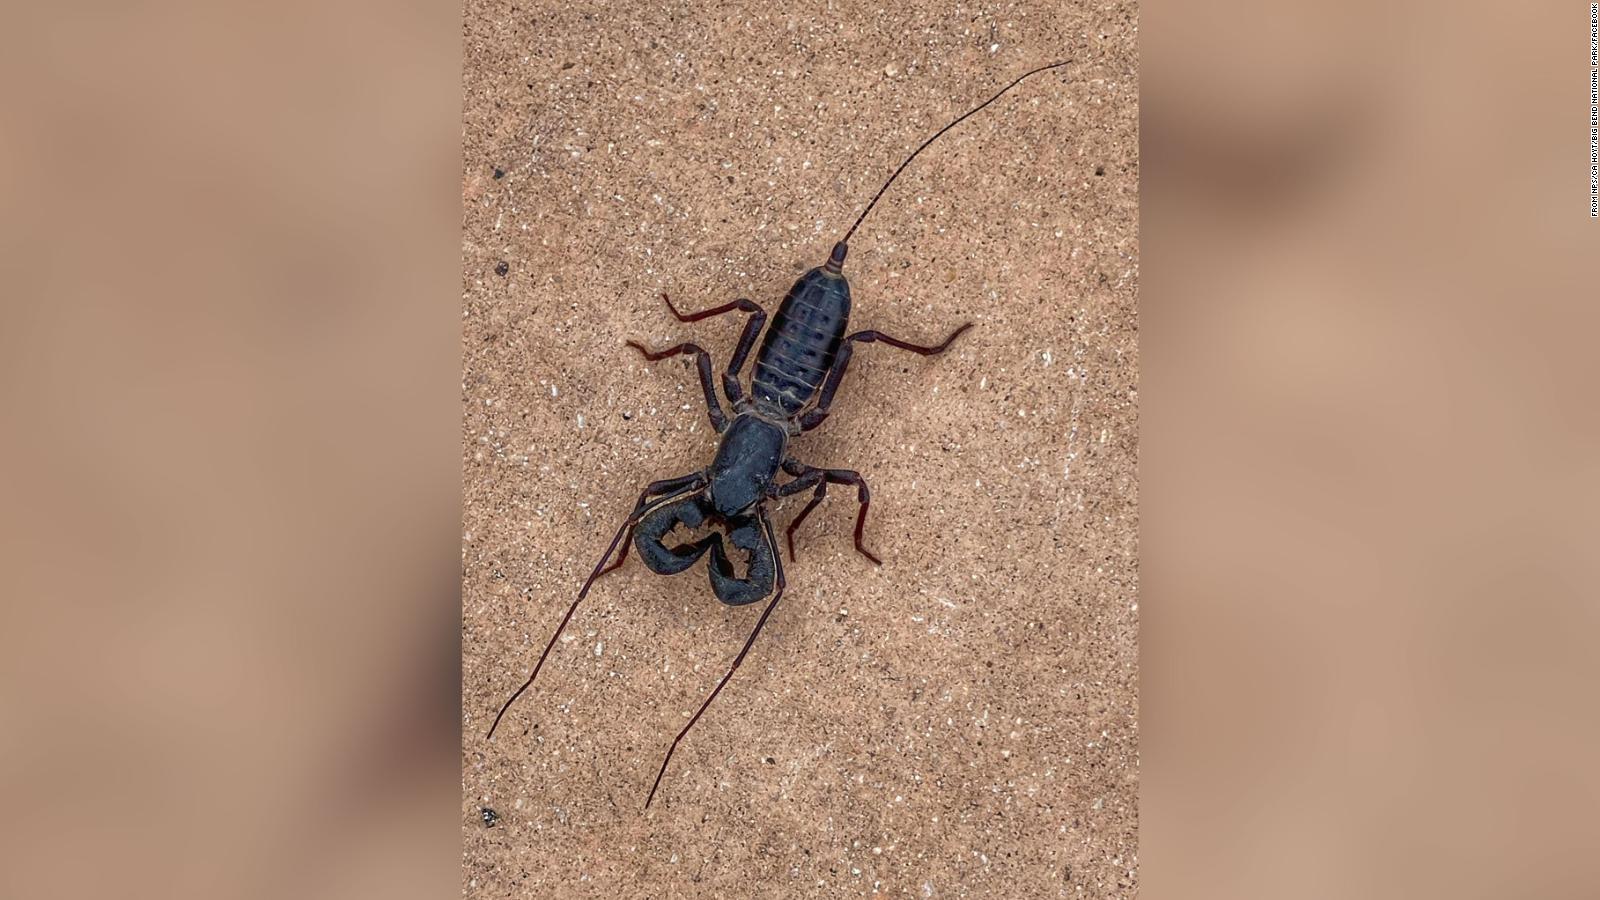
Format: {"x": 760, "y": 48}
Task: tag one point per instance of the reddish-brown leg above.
{"x": 842, "y": 361}
{"x": 747, "y": 338}
{"x": 702, "y": 362}
{"x": 806, "y": 476}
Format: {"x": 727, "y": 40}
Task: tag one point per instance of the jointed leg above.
{"x": 829, "y": 387}
{"x": 702, "y": 361}
{"x": 777, "y": 558}
{"x": 868, "y": 337}
{"x": 663, "y": 491}
{"x": 816, "y": 498}
{"x": 747, "y": 338}
{"x": 806, "y": 477}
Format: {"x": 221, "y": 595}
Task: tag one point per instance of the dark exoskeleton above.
{"x": 798, "y": 369}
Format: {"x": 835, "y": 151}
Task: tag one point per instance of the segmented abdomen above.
{"x": 800, "y": 344}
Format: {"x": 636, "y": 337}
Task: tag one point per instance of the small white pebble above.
{"x": 599, "y": 647}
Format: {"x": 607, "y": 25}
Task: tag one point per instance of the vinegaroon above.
{"x": 798, "y": 369}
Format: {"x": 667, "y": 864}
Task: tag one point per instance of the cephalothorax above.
{"x": 798, "y": 368}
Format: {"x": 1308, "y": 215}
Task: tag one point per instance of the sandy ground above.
{"x": 961, "y": 722}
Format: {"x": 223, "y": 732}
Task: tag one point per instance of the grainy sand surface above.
{"x": 961, "y": 722}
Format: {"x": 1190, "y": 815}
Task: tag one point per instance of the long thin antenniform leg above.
{"x": 829, "y": 387}
{"x": 807, "y": 476}
{"x": 777, "y": 558}
{"x": 671, "y": 489}
{"x": 747, "y": 338}
{"x": 702, "y": 362}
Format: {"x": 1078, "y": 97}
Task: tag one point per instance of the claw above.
{"x": 745, "y": 534}
{"x": 664, "y": 560}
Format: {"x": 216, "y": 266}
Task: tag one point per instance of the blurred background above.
{"x": 1368, "y": 462}
{"x": 229, "y": 526}
{"x": 229, "y": 449}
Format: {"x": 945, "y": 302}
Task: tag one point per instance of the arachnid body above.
{"x": 797, "y": 370}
